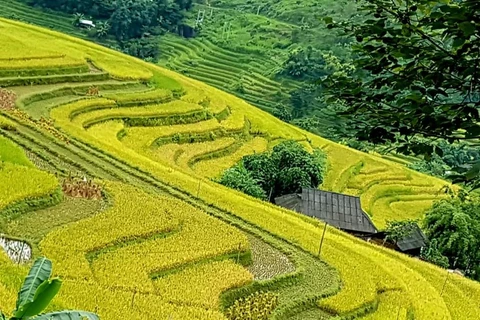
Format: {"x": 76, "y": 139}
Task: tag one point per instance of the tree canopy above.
{"x": 398, "y": 230}
{"x": 454, "y": 224}
{"x": 285, "y": 170}
{"x": 416, "y": 72}
{"x": 131, "y": 22}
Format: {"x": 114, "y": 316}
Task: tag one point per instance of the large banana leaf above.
{"x": 43, "y": 296}
{"x": 39, "y": 273}
{"x": 68, "y": 315}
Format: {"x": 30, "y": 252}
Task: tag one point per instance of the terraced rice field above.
{"x": 225, "y": 69}
{"x": 152, "y": 146}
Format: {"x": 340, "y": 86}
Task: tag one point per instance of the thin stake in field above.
{"x": 321, "y": 240}
{"x": 21, "y": 253}
{"x": 238, "y": 252}
{"x": 133, "y": 297}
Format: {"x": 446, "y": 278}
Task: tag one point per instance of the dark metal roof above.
{"x": 339, "y": 210}
{"x": 415, "y": 240}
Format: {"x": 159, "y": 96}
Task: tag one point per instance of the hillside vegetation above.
{"x": 268, "y": 55}
{"x": 171, "y": 243}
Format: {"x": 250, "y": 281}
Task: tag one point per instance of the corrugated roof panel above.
{"x": 339, "y": 210}
{"x": 415, "y": 240}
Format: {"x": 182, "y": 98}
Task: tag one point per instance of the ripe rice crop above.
{"x": 41, "y": 63}
{"x": 158, "y": 94}
{"x": 141, "y": 137}
{"x": 214, "y": 167}
{"x": 183, "y": 154}
{"x": 6, "y": 124}
{"x": 359, "y": 284}
{"x": 162, "y": 233}
{"x": 166, "y": 109}
{"x": 391, "y": 305}
{"x": 366, "y": 270}
{"x": 75, "y": 109}
{"x": 202, "y": 284}
{"x": 19, "y": 182}
{"x": 22, "y": 50}
{"x": 37, "y": 44}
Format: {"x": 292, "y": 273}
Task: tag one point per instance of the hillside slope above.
{"x": 246, "y": 61}
{"x": 119, "y": 118}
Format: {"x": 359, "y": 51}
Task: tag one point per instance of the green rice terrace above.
{"x": 241, "y": 47}
{"x": 108, "y": 167}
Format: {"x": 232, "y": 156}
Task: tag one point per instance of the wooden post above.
{"x": 258, "y": 10}
{"x": 270, "y": 195}
{"x": 238, "y": 253}
{"x": 133, "y": 298}
{"x": 21, "y": 253}
{"x": 321, "y": 241}
{"x": 445, "y": 283}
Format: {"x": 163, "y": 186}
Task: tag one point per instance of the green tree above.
{"x": 287, "y": 169}
{"x": 282, "y": 113}
{"x": 142, "y": 48}
{"x": 397, "y": 230}
{"x": 432, "y": 254}
{"x": 102, "y": 29}
{"x": 240, "y": 179}
{"x": 455, "y": 225}
{"x": 416, "y": 72}
{"x": 296, "y": 168}
{"x": 37, "y": 291}
{"x": 76, "y": 18}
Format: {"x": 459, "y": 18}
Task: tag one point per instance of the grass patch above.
{"x": 10, "y": 152}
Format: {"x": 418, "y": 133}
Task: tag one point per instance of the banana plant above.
{"x": 37, "y": 292}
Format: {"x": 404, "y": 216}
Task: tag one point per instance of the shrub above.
{"x": 239, "y": 178}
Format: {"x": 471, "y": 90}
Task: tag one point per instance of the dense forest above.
{"x": 132, "y": 23}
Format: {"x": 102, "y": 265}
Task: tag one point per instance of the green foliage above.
{"x": 364, "y": 146}
{"x": 416, "y": 72}
{"x": 257, "y": 306}
{"x": 239, "y": 178}
{"x": 397, "y": 230}
{"x": 308, "y": 63}
{"x": 163, "y": 82}
{"x": 454, "y": 162}
{"x": 287, "y": 169}
{"x": 455, "y": 226}
{"x": 102, "y": 29}
{"x": 39, "y": 273}
{"x": 282, "y": 113}
{"x": 37, "y": 291}
{"x": 435, "y": 166}
{"x": 432, "y": 254}
{"x": 124, "y": 19}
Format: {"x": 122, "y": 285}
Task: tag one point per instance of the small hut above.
{"x": 411, "y": 244}
{"x": 86, "y": 23}
{"x": 338, "y": 210}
